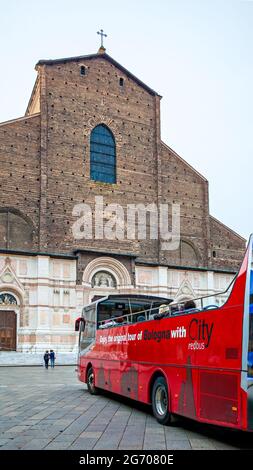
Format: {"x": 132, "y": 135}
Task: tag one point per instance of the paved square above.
{"x": 51, "y": 409}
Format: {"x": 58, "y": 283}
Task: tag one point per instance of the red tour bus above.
{"x": 194, "y": 360}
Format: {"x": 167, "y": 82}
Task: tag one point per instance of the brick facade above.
{"x": 20, "y": 171}
{"x": 45, "y": 158}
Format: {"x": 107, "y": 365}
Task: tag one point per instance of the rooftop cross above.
{"x": 102, "y": 34}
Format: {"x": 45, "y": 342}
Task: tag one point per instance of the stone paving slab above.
{"x": 51, "y": 410}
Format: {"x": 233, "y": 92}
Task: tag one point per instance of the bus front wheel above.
{"x": 91, "y": 382}
{"x": 160, "y": 401}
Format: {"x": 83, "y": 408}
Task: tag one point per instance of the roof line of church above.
{"x": 228, "y": 228}
{"x": 22, "y": 118}
{"x": 100, "y": 56}
{"x": 184, "y": 161}
{"x": 35, "y": 87}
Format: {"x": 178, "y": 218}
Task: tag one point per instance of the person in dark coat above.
{"x": 46, "y": 359}
{"x": 52, "y": 358}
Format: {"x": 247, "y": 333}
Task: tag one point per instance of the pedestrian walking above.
{"x": 52, "y": 358}
{"x": 46, "y": 359}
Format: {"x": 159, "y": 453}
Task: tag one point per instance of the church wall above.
{"x": 227, "y": 248}
{"x": 47, "y": 306}
{"x": 182, "y": 185}
{"x": 85, "y": 258}
{"x": 183, "y": 284}
{"x": 75, "y": 106}
{"x": 49, "y": 299}
{"x": 20, "y": 168}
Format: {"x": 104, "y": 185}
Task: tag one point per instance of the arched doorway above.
{"x": 8, "y": 322}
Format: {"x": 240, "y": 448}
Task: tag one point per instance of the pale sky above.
{"x": 196, "y": 53}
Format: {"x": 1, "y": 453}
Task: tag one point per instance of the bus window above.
{"x": 111, "y": 312}
{"x": 88, "y": 329}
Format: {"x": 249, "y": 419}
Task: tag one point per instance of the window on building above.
{"x": 82, "y": 70}
{"x": 15, "y": 232}
{"x": 121, "y": 81}
{"x": 102, "y": 155}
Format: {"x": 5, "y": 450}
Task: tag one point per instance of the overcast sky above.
{"x": 196, "y": 53}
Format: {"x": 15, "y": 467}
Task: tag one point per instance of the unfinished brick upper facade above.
{"x": 45, "y": 157}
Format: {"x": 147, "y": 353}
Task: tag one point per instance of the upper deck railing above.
{"x": 167, "y": 310}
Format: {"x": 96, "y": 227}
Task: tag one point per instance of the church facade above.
{"x": 90, "y": 136}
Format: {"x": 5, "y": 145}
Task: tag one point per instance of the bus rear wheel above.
{"x": 91, "y": 382}
{"x": 160, "y": 401}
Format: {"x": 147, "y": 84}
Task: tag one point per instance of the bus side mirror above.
{"x": 77, "y": 324}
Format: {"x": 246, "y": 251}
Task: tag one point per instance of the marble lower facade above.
{"x": 40, "y": 297}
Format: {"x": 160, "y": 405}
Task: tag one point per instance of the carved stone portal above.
{"x": 103, "y": 279}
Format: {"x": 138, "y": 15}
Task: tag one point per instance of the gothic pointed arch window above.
{"x": 102, "y": 155}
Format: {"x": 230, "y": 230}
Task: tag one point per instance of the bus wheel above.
{"x": 90, "y": 382}
{"x": 160, "y": 401}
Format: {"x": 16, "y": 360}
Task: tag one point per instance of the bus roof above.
{"x": 120, "y": 297}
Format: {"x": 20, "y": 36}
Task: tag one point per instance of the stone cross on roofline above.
{"x": 103, "y": 35}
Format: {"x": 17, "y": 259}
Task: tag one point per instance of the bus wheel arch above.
{"x": 158, "y": 373}
{"x": 89, "y": 366}
{"x": 159, "y": 396}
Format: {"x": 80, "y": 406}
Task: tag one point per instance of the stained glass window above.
{"x": 102, "y": 155}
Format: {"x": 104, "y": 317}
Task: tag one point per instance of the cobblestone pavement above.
{"x": 51, "y": 409}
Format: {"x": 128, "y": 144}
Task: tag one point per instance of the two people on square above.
{"x": 49, "y": 356}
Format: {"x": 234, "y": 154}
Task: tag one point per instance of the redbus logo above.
{"x": 199, "y": 330}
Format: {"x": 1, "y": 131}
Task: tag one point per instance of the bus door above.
{"x": 248, "y": 321}
{"x": 87, "y": 329}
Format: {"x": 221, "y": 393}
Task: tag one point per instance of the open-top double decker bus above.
{"x": 193, "y": 360}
